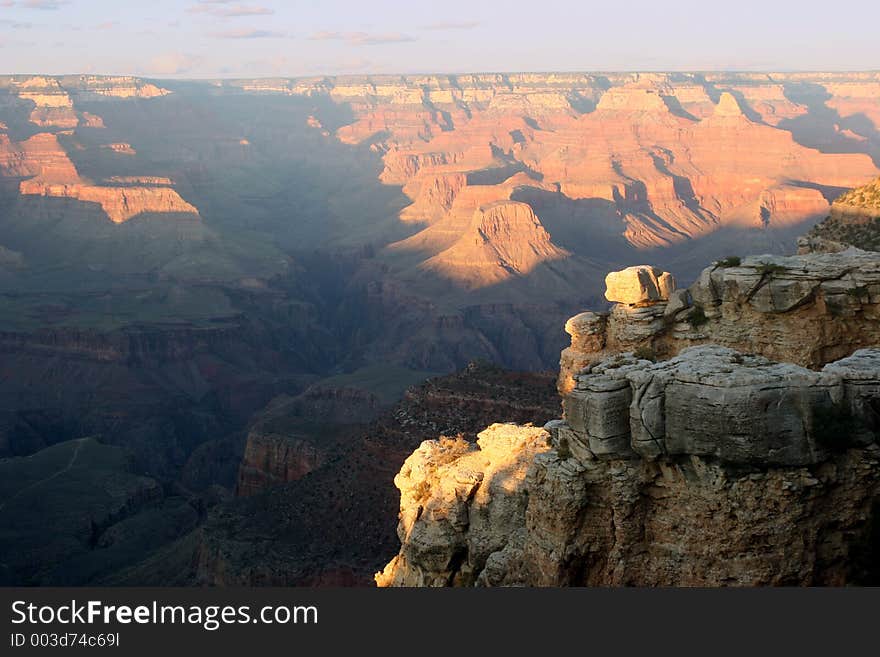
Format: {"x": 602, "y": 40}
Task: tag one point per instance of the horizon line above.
{"x": 214, "y": 78}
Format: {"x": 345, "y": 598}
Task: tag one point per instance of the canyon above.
{"x": 235, "y": 282}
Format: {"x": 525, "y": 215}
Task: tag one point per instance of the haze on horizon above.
{"x": 266, "y": 38}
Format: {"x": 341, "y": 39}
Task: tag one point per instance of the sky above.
{"x": 268, "y": 38}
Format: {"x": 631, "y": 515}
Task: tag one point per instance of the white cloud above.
{"x": 16, "y": 25}
{"x": 230, "y": 12}
{"x": 171, "y": 63}
{"x": 48, "y": 5}
{"x": 452, "y": 25}
{"x": 248, "y": 33}
{"x": 362, "y": 38}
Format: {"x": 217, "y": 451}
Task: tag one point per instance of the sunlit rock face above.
{"x": 808, "y": 309}
{"x": 46, "y": 167}
{"x": 641, "y": 284}
{"x": 460, "y": 503}
{"x": 52, "y": 174}
{"x": 854, "y": 221}
{"x": 674, "y": 157}
{"x": 54, "y": 101}
{"x": 504, "y": 239}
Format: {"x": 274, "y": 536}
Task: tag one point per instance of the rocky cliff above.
{"x": 53, "y": 174}
{"x": 854, "y": 220}
{"x": 282, "y": 444}
{"x": 334, "y": 524}
{"x": 805, "y": 309}
{"x": 673, "y": 157}
{"x": 707, "y": 465}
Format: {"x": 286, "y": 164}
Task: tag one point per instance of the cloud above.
{"x": 47, "y": 5}
{"x": 229, "y": 12}
{"x": 244, "y": 10}
{"x": 248, "y": 34}
{"x": 16, "y": 25}
{"x": 362, "y": 38}
{"x": 452, "y": 25}
{"x": 172, "y": 63}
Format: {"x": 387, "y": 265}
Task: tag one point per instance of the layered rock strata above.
{"x": 808, "y": 309}
{"x": 712, "y": 468}
{"x": 716, "y": 466}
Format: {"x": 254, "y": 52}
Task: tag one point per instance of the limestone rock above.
{"x": 809, "y": 309}
{"x": 679, "y": 300}
{"x": 460, "y": 503}
{"x": 713, "y": 402}
{"x": 859, "y": 410}
{"x": 587, "y": 330}
{"x": 712, "y": 468}
{"x": 639, "y": 285}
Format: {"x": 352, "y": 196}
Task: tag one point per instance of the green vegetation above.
{"x": 697, "y": 316}
{"x": 857, "y": 220}
{"x": 861, "y": 233}
{"x": 199, "y": 305}
{"x": 770, "y": 268}
{"x": 730, "y": 261}
{"x": 859, "y": 292}
{"x": 867, "y": 197}
{"x": 74, "y": 512}
{"x": 563, "y": 449}
{"x": 646, "y": 352}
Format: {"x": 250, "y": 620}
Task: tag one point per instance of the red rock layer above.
{"x": 52, "y": 174}
{"x": 677, "y": 157}
{"x": 504, "y": 239}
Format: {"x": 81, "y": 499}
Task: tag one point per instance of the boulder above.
{"x": 641, "y": 284}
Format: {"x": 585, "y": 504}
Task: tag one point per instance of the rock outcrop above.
{"x": 854, "y": 220}
{"x": 274, "y": 459}
{"x": 335, "y": 525}
{"x": 505, "y": 239}
{"x": 808, "y": 309}
{"x": 716, "y": 403}
{"x": 712, "y": 468}
{"x": 460, "y": 503}
{"x": 281, "y": 445}
{"x": 52, "y": 174}
{"x": 639, "y": 285}
{"x": 674, "y": 156}
{"x": 716, "y": 466}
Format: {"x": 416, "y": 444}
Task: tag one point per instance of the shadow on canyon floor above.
{"x": 821, "y": 126}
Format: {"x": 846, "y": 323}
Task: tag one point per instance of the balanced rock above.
{"x": 641, "y": 284}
